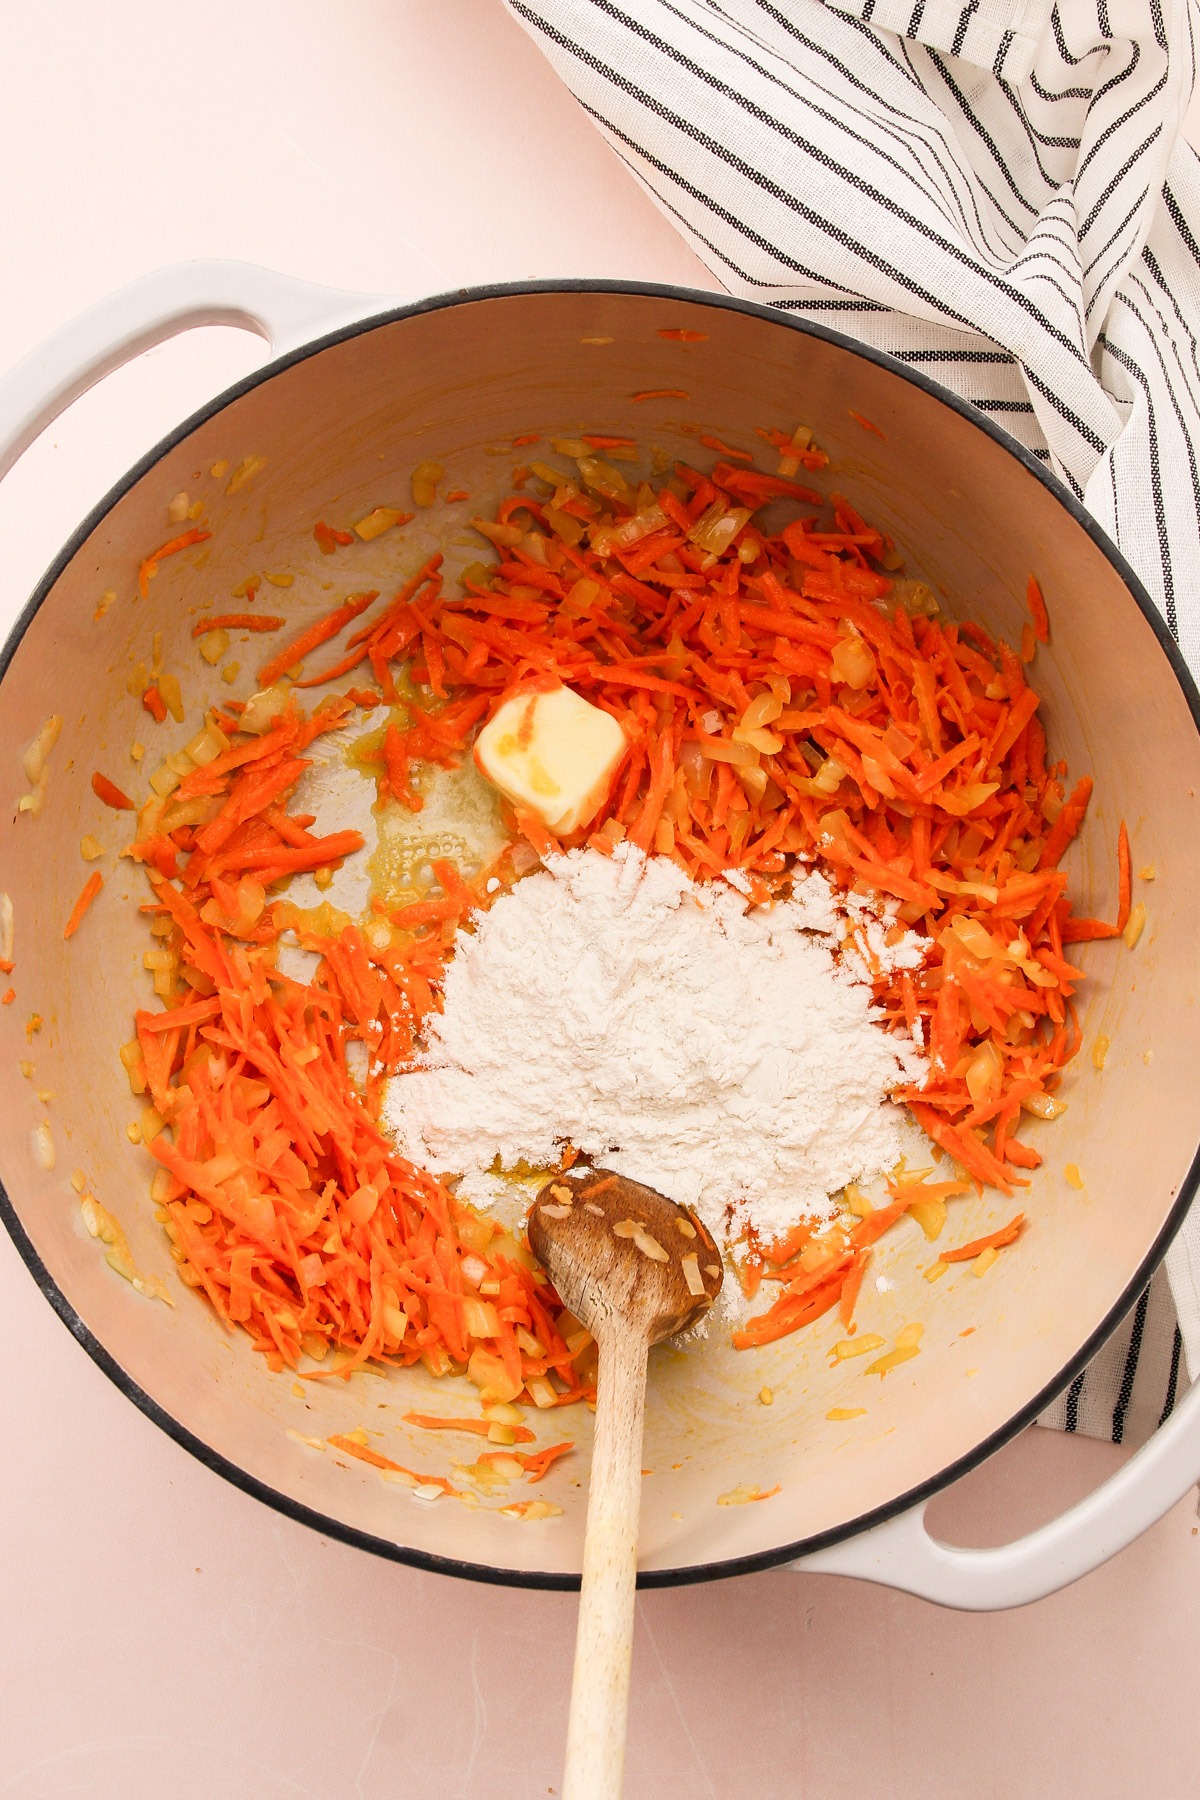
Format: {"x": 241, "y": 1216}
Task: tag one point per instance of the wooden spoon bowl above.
{"x": 616, "y": 1249}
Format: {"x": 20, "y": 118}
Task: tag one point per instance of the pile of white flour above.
{"x": 728, "y": 1056}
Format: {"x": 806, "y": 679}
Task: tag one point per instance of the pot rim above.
{"x": 995, "y": 1440}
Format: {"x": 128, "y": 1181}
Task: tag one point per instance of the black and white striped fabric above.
{"x": 997, "y": 192}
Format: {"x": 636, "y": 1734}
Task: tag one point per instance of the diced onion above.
{"x": 564, "y": 525}
{"x": 35, "y": 758}
{"x": 717, "y": 526}
{"x": 503, "y": 536}
{"x": 857, "y": 1346}
{"x": 213, "y": 645}
{"x": 262, "y": 709}
{"x": 425, "y": 478}
{"x": 853, "y": 662}
{"x": 480, "y": 1318}
{"x": 930, "y": 1216}
{"x": 764, "y": 709}
{"x": 172, "y": 698}
{"x": 604, "y": 479}
{"x": 691, "y": 1274}
{"x": 490, "y": 1376}
{"x": 1044, "y": 1106}
{"x": 207, "y": 745}
{"x": 376, "y": 523}
{"x": 984, "y": 1073}
{"x": 607, "y": 540}
{"x": 723, "y": 750}
{"x": 968, "y": 797}
{"x": 502, "y": 1413}
{"x": 918, "y": 600}
{"x": 829, "y": 776}
{"x": 974, "y": 938}
{"x": 165, "y": 780}
{"x": 764, "y": 741}
{"x": 362, "y": 1202}
{"x": 249, "y": 465}
{"x": 395, "y": 1322}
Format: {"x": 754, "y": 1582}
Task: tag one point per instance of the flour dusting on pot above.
{"x": 728, "y": 1054}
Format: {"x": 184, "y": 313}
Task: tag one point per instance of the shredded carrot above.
{"x": 239, "y": 622}
{"x": 995, "y": 1240}
{"x": 314, "y": 636}
{"x": 351, "y": 1447}
{"x": 1036, "y": 603}
{"x": 535, "y": 1462}
{"x": 91, "y": 888}
{"x": 154, "y": 703}
{"x": 715, "y": 443}
{"x": 1084, "y": 931}
{"x": 904, "y": 751}
{"x": 329, "y": 538}
{"x": 480, "y": 1427}
{"x": 7, "y": 998}
{"x": 1124, "y": 879}
{"x": 286, "y": 1205}
{"x": 1067, "y": 824}
{"x": 149, "y": 566}
{"x": 867, "y": 424}
{"x": 111, "y": 794}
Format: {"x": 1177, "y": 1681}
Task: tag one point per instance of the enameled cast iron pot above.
{"x": 341, "y": 420}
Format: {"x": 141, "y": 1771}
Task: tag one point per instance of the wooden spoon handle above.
{"x": 604, "y": 1639}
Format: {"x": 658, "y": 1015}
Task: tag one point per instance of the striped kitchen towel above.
{"x": 997, "y": 192}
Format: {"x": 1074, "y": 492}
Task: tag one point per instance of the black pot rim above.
{"x": 707, "y": 1571}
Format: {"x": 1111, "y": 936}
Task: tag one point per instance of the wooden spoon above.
{"x": 634, "y": 1268}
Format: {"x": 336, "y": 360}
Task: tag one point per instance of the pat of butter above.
{"x": 553, "y": 752}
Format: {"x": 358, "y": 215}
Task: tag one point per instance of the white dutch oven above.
{"x": 341, "y": 420}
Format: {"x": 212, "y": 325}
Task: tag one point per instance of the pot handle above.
{"x": 280, "y": 308}
{"x": 901, "y": 1553}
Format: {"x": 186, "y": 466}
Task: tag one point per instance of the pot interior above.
{"x": 340, "y": 431}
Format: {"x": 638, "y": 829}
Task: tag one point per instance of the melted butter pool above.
{"x": 460, "y": 820}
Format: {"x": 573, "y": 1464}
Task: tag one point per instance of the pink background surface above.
{"x": 160, "y": 1632}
